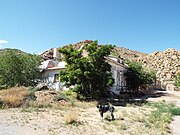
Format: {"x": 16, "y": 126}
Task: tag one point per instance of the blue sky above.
{"x": 38, "y": 25}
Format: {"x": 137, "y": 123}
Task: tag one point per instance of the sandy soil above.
{"x": 31, "y": 121}
{"x": 51, "y": 122}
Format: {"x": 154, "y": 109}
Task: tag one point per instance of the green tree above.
{"x": 137, "y": 76}
{"x": 18, "y": 68}
{"x": 177, "y": 80}
{"x": 91, "y": 74}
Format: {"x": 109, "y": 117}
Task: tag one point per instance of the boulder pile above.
{"x": 166, "y": 64}
{"x": 45, "y": 96}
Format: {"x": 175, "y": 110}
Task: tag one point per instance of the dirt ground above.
{"x": 41, "y": 121}
{"x": 51, "y": 122}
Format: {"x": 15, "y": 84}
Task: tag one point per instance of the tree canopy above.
{"x": 18, "y": 68}
{"x": 138, "y": 76}
{"x": 177, "y": 80}
{"x": 87, "y": 69}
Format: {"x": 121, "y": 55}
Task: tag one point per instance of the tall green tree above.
{"x": 18, "y": 68}
{"x": 91, "y": 74}
{"x": 137, "y": 76}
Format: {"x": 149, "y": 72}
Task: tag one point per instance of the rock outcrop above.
{"x": 166, "y": 64}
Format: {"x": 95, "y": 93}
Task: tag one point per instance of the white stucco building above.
{"x": 118, "y": 69}
{"x": 51, "y": 68}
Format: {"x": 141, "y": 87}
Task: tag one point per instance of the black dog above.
{"x": 105, "y": 108}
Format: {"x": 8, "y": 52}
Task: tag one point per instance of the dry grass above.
{"x": 71, "y": 117}
{"x": 13, "y": 97}
{"x": 130, "y": 120}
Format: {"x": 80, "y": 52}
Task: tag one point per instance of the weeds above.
{"x": 71, "y": 118}
{"x": 161, "y": 116}
{"x": 68, "y": 96}
{"x": 13, "y": 97}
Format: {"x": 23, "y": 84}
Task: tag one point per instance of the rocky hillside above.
{"x": 118, "y": 51}
{"x": 166, "y": 63}
{"x": 128, "y": 54}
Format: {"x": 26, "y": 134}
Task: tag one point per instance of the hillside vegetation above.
{"x": 18, "y": 68}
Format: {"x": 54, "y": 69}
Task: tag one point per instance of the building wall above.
{"x": 118, "y": 75}
{"x": 117, "y": 72}
{"x": 49, "y": 75}
{"x": 49, "y": 78}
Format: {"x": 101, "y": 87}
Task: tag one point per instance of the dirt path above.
{"x": 171, "y": 97}
{"x": 175, "y": 125}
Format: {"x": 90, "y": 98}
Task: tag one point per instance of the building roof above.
{"x": 116, "y": 60}
{"x": 52, "y": 65}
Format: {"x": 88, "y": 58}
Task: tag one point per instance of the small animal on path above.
{"x": 104, "y": 108}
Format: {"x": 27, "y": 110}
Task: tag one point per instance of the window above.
{"x": 56, "y": 77}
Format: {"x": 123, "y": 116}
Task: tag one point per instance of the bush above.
{"x": 71, "y": 118}
{"x": 31, "y": 93}
{"x": 70, "y": 93}
{"x": 68, "y": 96}
{"x": 177, "y": 80}
{"x": 13, "y": 97}
{"x": 61, "y": 96}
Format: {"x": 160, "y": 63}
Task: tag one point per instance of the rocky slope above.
{"x": 128, "y": 54}
{"x": 166, "y": 63}
{"x": 118, "y": 51}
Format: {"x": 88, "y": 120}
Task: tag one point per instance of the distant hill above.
{"x": 14, "y": 50}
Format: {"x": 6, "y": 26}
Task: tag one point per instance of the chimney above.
{"x": 55, "y": 53}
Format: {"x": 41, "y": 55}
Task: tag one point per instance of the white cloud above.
{"x": 3, "y": 42}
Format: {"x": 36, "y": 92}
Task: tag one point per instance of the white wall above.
{"x": 49, "y": 75}
{"x": 119, "y": 79}
{"x": 49, "y": 78}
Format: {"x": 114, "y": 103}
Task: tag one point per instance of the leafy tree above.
{"x": 18, "y": 68}
{"x": 91, "y": 74}
{"x": 137, "y": 76}
{"x": 177, "y": 80}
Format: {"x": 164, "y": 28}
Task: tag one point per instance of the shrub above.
{"x": 70, "y": 93}
{"x": 68, "y": 96}
{"x": 61, "y": 96}
{"x": 71, "y": 118}
{"x": 13, "y": 97}
{"x": 177, "y": 80}
{"x": 31, "y": 93}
